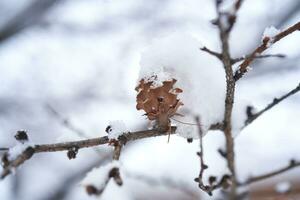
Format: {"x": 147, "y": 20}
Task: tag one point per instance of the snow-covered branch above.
{"x": 243, "y": 67}
{"x": 27, "y": 153}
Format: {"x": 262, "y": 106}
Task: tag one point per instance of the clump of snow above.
{"x": 157, "y": 78}
{"x": 198, "y": 74}
{"x": 270, "y": 32}
{"x": 98, "y": 177}
{"x": 115, "y": 129}
{"x": 18, "y": 149}
{"x": 283, "y": 187}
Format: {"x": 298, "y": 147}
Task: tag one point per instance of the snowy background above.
{"x": 82, "y": 57}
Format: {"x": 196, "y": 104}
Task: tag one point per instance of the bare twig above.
{"x": 203, "y": 166}
{"x": 253, "y": 179}
{"x": 4, "y": 149}
{"x": 275, "y": 101}
{"x": 232, "y": 15}
{"x": 235, "y": 60}
{"x": 65, "y": 122}
{"x": 243, "y": 68}
{"x": 224, "y": 182}
{"x": 165, "y": 182}
{"x": 29, "y": 16}
{"x": 216, "y": 54}
{"x": 114, "y": 172}
{"x": 66, "y": 146}
{"x": 117, "y": 150}
{"x": 26, "y": 155}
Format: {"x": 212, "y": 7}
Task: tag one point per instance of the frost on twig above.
{"x": 97, "y": 180}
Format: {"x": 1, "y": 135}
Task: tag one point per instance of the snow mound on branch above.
{"x": 115, "y": 129}
{"x": 18, "y": 149}
{"x": 198, "y": 75}
{"x": 98, "y": 177}
{"x": 270, "y": 32}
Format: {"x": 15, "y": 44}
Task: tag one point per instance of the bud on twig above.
{"x": 21, "y": 136}
{"x": 72, "y": 153}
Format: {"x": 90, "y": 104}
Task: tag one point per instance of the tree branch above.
{"x": 213, "y": 184}
{"x": 11, "y": 165}
{"x": 235, "y": 60}
{"x": 66, "y": 146}
{"x": 243, "y": 68}
{"x": 225, "y": 22}
{"x": 290, "y": 166}
{"x": 29, "y": 16}
{"x": 65, "y": 122}
{"x": 216, "y": 54}
{"x": 275, "y": 101}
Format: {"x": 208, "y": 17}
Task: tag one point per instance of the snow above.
{"x": 157, "y": 78}
{"x": 178, "y": 56}
{"x": 270, "y": 32}
{"x": 18, "y": 149}
{"x": 116, "y": 128}
{"x": 98, "y": 176}
{"x": 283, "y": 187}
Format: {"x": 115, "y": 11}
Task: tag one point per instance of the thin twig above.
{"x": 271, "y": 105}
{"x": 224, "y": 182}
{"x": 65, "y": 122}
{"x": 232, "y": 15}
{"x": 216, "y": 54}
{"x": 26, "y": 155}
{"x": 253, "y": 179}
{"x": 243, "y": 68}
{"x": 4, "y": 149}
{"x": 165, "y": 182}
{"x": 235, "y": 60}
{"x": 203, "y": 166}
